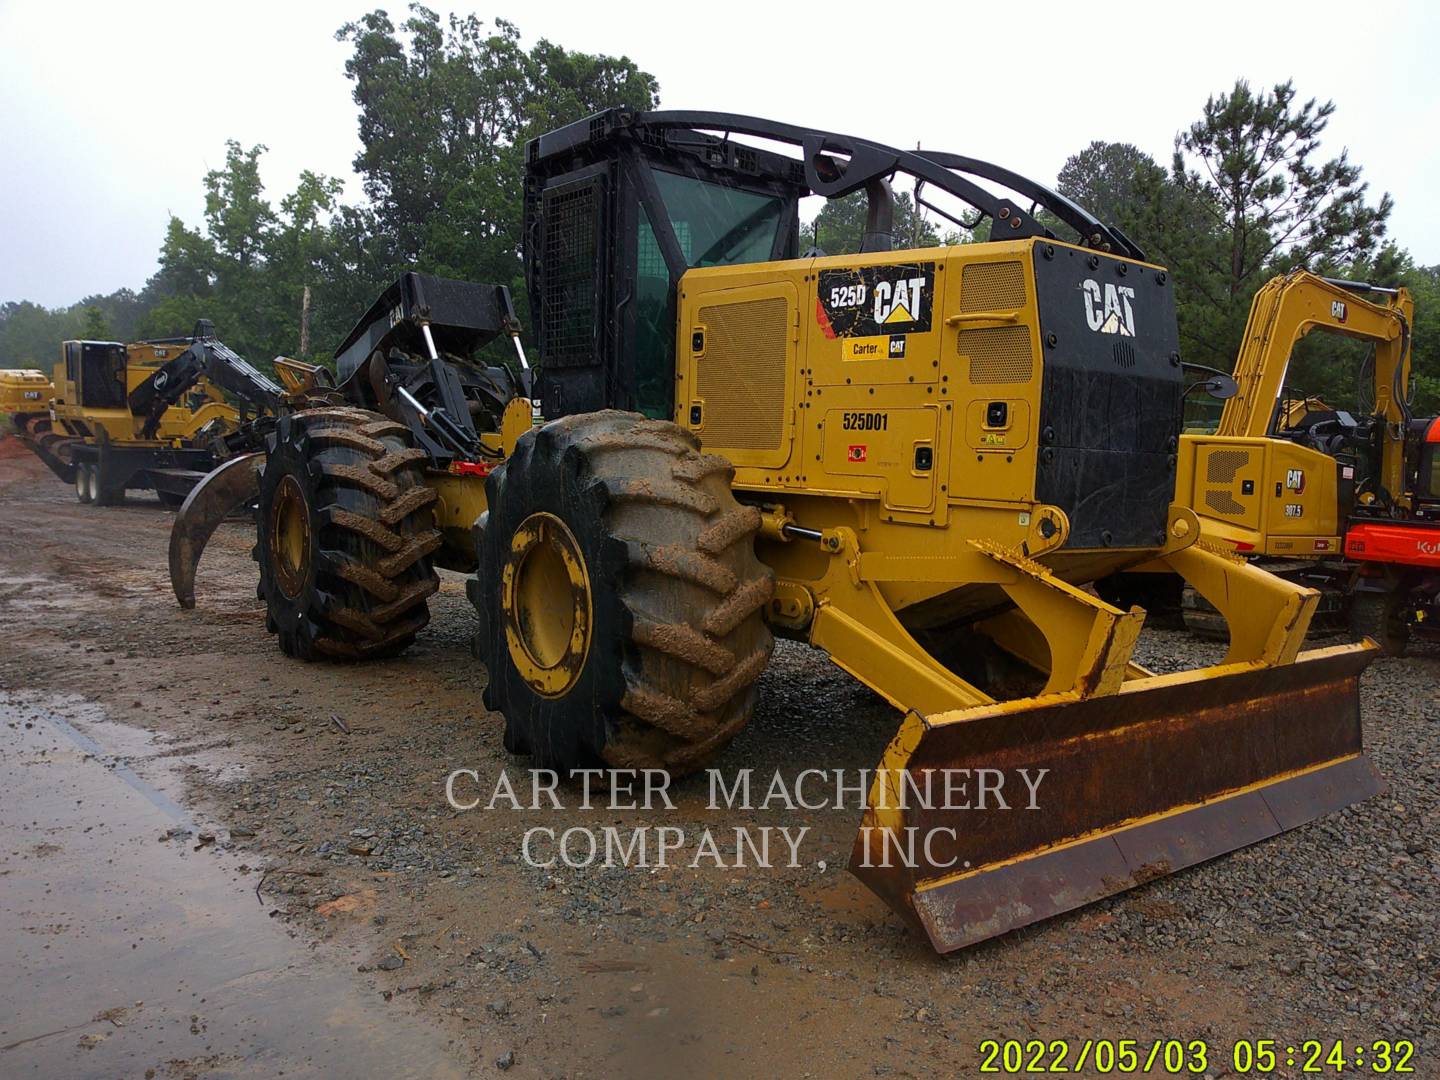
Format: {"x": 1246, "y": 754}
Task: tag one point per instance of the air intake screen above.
{"x": 1224, "y": 464}
{"x": 1221, "y": 468}
{"x": 992, "y": 287}
{"x": 998, "y": 354}
{"x": 570, "y": 315}
{"x": 741, "y": 377}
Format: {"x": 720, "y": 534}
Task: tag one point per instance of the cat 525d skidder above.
{"x": 911, "y": 459}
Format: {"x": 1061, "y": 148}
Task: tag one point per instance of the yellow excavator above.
{"x": 913, "y": 460}
{"x": 1281, "y": 476}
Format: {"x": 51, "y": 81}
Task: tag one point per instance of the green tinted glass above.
{"x": 715, "y": 226}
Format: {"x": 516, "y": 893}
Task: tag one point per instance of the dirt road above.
{"x": 323, "y": 788}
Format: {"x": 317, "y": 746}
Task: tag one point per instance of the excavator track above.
{"x": 54, "y": 449}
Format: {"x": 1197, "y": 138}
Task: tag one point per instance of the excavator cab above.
{"x": 95, "y": 373}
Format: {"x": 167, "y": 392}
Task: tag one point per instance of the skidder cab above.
{"x": 913, "y": 459}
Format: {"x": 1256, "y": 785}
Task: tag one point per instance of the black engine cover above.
{"x": 1110, "y": 409}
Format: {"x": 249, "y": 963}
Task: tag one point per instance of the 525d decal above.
{"x": 874, "y": 301}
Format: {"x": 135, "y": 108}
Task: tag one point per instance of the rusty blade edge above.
{"x": 988, "y": 902}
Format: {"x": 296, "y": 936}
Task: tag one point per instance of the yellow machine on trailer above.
{"x": 913, "y": 460}
{"x": 152, "y": 414}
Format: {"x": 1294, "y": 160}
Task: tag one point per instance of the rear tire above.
{"x": 345, "y": 533}
{"x": 1378, "y": 616}
{"x": 619, "y": 596}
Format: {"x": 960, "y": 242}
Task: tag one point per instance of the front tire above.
{"x": 345, "y": 534}
{"x": 620, "y": 597}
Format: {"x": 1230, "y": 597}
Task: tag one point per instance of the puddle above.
{"x": 125, "y": 953}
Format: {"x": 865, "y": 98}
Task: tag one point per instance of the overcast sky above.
{"x": 110, "y": 113}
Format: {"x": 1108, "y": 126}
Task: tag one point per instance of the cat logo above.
{"x": 897, "y": 301}
{"x": 1337, "y": 310}
{"x": 1295, "y": 480}
{"x": 1108, "y": 311}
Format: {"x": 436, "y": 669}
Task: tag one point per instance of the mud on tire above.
{"x": 677, "y": 639}
{"x": 345, "y": 534}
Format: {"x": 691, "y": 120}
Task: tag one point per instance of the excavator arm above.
{"x": 210, "y": 359}
{"x": 1289, "y": 307}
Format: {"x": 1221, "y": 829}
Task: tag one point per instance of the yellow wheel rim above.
{"x": 545, "y": 597}
{"x": 290, "y": 537}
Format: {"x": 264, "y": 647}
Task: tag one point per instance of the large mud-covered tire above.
{"x": 1378, "y": 615}
{"x": 652, "y": 569}
{"x": 345, "y": 533}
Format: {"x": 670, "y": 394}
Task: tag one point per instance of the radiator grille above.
{"x": 570, "y": 307}
{"x": 998, "y": 354}
{"x": 996, "y": 286}
{"x": 741, "y": 377}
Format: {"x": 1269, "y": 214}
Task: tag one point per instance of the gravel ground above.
{"x": 328, "y": 781}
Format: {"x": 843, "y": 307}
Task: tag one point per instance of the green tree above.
{"x": 445, "y": 110}
{"x": 30, "y": 335}
{"x": 94, "y": 326}
{"x": 1251, "y": 165}
{"x": 1117, "y": 182}
{"x": 840, "y": 226}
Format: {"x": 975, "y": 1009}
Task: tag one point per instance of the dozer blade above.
{"x": 224, "y": 490}
{"x": 1169, "y": 772}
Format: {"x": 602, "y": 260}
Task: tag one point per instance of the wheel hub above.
{"x": 290, "y": 537}
{"x": 545, "y": 597}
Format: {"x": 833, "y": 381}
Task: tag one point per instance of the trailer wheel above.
{"x": 84, "y": 482}
{"x": 104, "y": 488}
{"x": 620, "y": 597}
{"x": 345, "y": 533}
{"x": 1380, "y": 617}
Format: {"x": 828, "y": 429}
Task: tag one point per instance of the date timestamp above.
{"x": 1194, "y": 1057}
